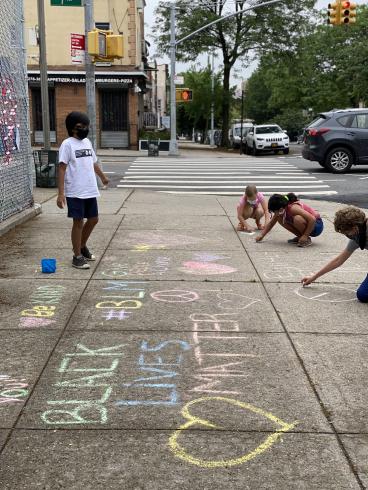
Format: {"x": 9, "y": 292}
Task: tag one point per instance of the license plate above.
{"x": 274, "y": 145}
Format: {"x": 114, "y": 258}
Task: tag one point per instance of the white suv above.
{"x": 268, "y": 137}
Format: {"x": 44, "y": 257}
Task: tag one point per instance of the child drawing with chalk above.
{"x": 252, "y": 205}
{"x": 351, "y": 222}
{"x": 295, "y": 216}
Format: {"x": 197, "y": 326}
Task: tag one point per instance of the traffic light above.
{"x": 104, "y": 45}
{"x": 184, "y": 95}
{"x": 115, "y": 46}
{"x": 334, "y": 13}
{"x": 348, "y": 13}
{"x": 97, "y": 43}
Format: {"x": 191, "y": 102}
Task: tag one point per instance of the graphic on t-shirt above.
{"x": 83, "y": 153}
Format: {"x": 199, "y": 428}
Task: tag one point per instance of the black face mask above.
{"x": 82, "y": 133}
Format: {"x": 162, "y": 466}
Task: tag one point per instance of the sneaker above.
{"x": 87, "y": 254}
{"x": 80, "y": 262}
{"x": 308, "y": 243}
{"x": 293, "y": 240}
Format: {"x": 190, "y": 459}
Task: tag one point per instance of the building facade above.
{"x": 120, "y": 85}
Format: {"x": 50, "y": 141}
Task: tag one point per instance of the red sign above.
{"x": 77, "y": 41}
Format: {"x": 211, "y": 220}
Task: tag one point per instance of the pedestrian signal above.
{"x": 348, "y": 13}
{"x": 184, "y": 95}
{"x": 334, "y": 13}
{"x": 104, "y": 45}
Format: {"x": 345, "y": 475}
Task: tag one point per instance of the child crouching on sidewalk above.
{"x": 295, "y": 216}
{"x": 252, "y": 205}
{"x": 351, "y": 222}
{"x": 78, "y": 185}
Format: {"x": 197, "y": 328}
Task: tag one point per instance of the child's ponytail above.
{"x": 292, "y": 197}
{"x": 278, "y": 201}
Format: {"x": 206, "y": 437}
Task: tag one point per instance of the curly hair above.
{"x": 348, "y": 217}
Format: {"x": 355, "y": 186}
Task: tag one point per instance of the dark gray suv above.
{"x": 338, "y": 139}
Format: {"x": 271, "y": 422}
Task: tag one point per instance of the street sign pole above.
{"x": 43, "y": 75}
{"x": 90, "y": 73}
{"x": 173, "y": 147}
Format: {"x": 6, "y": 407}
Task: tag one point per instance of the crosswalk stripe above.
{"x": 241, "y": 192}
{"x": 223, "y": 186}
{"x": 268, "y": 181}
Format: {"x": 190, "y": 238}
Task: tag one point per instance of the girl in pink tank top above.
{"x": 295, "y": 216}
{"x": 252, "y": 205}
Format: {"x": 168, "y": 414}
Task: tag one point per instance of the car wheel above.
{"x": 286, "y": 151}
{"x": 255, "y": 151}
{"x": 246, "y": 149}
{"x": 339, "y": 160}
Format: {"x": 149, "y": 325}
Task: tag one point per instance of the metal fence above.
{"x": 15, "y": 147}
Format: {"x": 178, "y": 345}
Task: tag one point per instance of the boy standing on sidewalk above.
{"x": 78, "y": 185}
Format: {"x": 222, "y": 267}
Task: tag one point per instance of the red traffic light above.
{"x": 345, "y": 5}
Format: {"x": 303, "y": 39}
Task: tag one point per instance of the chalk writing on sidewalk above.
{"x": 120, "y": 306}
{"x": 44, "y": 300}
{"x": 177, "y": 439}
{"x": 159, "y": 266}
{"x": 12, "y": 390}
{"x": 327, "y": 293}
{"x": 86, "y": 371}
{"x": 159, "y": 367}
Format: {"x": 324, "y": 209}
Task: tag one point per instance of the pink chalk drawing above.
{"x": 205, "y": 268}
{"x": 139, "y": 239}
{"x": 33, "y": 322}
{"x": 208, "y": 257}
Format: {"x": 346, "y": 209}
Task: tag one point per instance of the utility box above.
{"x": 153, "y": 148}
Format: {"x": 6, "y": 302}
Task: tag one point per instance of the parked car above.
{"x": 338, "y": 139}
{"x": 266, "y": 137}
{"x": 234, "y": 133}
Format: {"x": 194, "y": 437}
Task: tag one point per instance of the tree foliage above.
{"x": 196, "y": 114}
{"x": 264, "y": 30}
{"x": 327, "y": 69}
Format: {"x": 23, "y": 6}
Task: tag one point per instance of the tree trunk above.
{"x": 226, "y": 105}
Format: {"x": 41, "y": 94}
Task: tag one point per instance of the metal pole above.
{"x": 43, "y": 75}
{"x": 89, "y": 25}
{"x": 241, "y": 118}
{"x": 212, "y": 139}
{"x": 173, "y": 148}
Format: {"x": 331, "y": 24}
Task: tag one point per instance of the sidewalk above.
{"x": 188, "y": 356}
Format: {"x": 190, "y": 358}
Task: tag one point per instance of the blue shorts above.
{"x": 82, "y": 208}
{"x": 318, "y": 227}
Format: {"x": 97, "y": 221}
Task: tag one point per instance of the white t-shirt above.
{"x": 80, "y": 179}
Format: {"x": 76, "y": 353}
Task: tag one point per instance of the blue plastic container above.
{"x": 48, "y": 266}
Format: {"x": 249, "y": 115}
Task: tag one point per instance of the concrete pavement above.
{"x": 187, "y": 357}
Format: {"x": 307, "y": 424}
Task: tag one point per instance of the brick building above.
{"x": 120, "y": 85}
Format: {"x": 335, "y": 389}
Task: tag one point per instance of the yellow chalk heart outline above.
{"x": 181, "y": 453}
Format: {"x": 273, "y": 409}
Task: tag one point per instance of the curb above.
{"x": 20, "y": 218}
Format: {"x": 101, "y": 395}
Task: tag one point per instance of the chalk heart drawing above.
{"x": 160, "y": 240}
{"x": 182, "y": 453}
{"x": 204, "y": 268}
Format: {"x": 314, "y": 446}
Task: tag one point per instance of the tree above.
{"x": 257, "y": 31}
{"x": 196, "y": 114}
